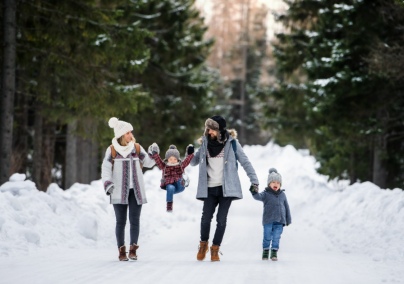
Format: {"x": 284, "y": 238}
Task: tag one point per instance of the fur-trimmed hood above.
{"x": 232, "y": 132}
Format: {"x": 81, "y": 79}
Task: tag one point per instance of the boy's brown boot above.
{"x": 122, "y": 254}
{"x": 202, "y": 250}
{"x": 132, "y": 252}
{"x": 169, "y": 207}
{"x": 214, "y": 253}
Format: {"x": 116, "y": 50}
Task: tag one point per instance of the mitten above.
{"x": 155, "y": 149}
{"x": 190, "y": 149}
{"x": 110, "y": 190}
{"x": 254, "y": 188}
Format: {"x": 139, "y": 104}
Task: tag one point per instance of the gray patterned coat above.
{"x": 119, "y": 176}
{"x": 231, "y": 182}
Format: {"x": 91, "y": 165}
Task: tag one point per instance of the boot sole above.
{"x": 265, "y": 259}
{"x": 124, "y": 260}
{"x": 132, "y": 258}
{"x": 274, "y": 259}
{"x": 215, "y": 260}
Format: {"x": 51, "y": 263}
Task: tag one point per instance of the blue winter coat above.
{"x": 276, "y": 206}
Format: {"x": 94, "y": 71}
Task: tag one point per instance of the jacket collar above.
{"x": 270, "y": 190}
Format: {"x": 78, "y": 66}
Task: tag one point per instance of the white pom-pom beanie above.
{"x": 274, "y": 176}
{"x": 120, "y": 127}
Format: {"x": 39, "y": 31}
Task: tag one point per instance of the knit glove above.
{"x": 190, "y": 149}
{"x": 110, "y": 190}
{"x": 254, "y": 188}
{"x": 153, "y": 149}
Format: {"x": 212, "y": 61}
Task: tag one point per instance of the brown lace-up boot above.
{"x": 132, "y": 252}
{"x": 214, "y": 253}
{"x": 202, "y": 250}
{"x": 122, "y": 254}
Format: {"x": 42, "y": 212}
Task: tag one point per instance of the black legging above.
{"x": 121, "y": 213}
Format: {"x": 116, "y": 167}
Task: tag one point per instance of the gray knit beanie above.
{"x": 274, "y": 176}
{"x": 172, "y": 151}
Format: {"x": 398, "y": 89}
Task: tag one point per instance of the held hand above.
{"x": 190, "y": 149}
{"x": 254, "y": 188}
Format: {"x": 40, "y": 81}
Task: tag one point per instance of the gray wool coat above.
{"x": 276, "y": 207}
{"x": 231, "y": 182}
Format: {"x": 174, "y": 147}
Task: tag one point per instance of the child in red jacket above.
{"x": 172, "y": 168}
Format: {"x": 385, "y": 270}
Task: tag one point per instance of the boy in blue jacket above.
{"x": 276, "y": 213}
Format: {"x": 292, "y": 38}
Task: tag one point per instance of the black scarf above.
{"x": 270, "y": 190}
{"x": 215, "y": 146}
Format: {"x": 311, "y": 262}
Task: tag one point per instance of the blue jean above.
{"x": 272, "y": 232}
{"x": 174, "y": 188}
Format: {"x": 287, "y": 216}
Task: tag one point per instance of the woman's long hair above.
{"x": 122, "y": 140}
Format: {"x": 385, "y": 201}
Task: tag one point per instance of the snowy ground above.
{"x": 351, "y": 236}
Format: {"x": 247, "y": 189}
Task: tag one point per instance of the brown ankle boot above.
{"x": 170, "y": 207}
{"x": 202, "y": 250}
{"x": 132, "y": 252}
{"x": 214, "y": 253}
{"x": 122, "y": 254}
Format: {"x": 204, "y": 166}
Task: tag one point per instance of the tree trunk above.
{"x": 37, "y": 156}
{"x": 86, "y": 161}
{"x": 48, "y": 154}
{"x": 380, "y": 162}
{"x": 352, "y": 173}
{"x": 8, "y": 89}
{"x": 94, "y": 173}
{"x": 71, "y": 155}
{"x": 79, "y": 153}
{"x": 20, "y": 135}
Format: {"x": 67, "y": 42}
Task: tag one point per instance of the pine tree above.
{"x": 176, "y": 78}
{"x": 344, "y": 109}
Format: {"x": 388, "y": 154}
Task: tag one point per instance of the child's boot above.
{"x": 214, "y": 253}
{"x": 202, "y": 250}
{"x": 122, "y": 254}
{"x": 274, "y": 255}
{"x": 170, "y": 207}
{"x": 132, "y": 252}
{"x": 265, "y": 254}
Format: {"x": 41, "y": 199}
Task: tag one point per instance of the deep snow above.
{"x": 349, "y": 236}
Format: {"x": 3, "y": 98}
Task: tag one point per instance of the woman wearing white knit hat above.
{"x": 123, "y": 182}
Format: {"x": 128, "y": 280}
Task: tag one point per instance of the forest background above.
{"x": 326, "y": 76}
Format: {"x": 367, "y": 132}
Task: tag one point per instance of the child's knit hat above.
{"x": 172, "y": 151}
{"x": 274, "y": 176}
{"x": 120, "y": 127}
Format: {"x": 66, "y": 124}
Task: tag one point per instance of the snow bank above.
{"x": 360, "y": 219}
{"x": 79, "y": 217}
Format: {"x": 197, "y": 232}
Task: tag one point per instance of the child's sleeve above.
{"x": 158, "y": 161}
{"x": 145, "y": 159}
{"x": 258, "y": 196}
{"x": 288, "y": 216}
{"x": 187, "y": 160}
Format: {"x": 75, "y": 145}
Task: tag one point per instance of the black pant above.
{"x": 215, "y": 197}
{"x": 121, "y": 213}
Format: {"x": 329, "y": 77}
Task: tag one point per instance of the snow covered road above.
{"x": 311, "y": 250}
